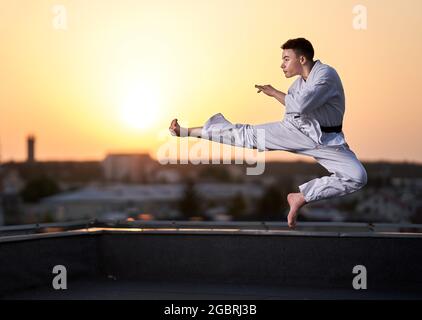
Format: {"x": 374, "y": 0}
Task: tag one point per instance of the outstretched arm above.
{"x": 272, "y": 92}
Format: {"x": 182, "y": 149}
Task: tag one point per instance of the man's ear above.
{"x": 302, "y": 60}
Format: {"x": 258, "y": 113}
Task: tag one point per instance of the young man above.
{"x": 312, "y": 126}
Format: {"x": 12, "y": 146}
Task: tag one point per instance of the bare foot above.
{"x": 174, "y": 128}
{"x": 296, "y": 201}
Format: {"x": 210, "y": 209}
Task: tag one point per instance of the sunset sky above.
{"x": 121, "y": 70}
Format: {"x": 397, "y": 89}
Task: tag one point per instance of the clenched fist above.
{"x": 267, "y": 89}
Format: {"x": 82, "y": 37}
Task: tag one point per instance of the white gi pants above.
{"x": 347, "y": 173}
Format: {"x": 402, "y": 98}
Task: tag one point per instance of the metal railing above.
{"x": 352, "y": 227}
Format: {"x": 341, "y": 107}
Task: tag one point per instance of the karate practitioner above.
{"x": 312, "y": 126}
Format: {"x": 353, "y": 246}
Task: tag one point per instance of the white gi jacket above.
{"x": 319, "y": 101}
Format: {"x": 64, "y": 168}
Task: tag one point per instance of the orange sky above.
{"x": 82, "y": 89}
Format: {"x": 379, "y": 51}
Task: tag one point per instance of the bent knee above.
{"x": 359, "y": 177}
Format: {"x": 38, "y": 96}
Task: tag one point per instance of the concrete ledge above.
{"x": 280, "y": 258}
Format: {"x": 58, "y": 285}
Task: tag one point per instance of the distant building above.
{"x": 128, "y": 167}
{"x": 30, "y": 149}
{"x": 167, "y": 176}
{"x": 160, "y": 200}
{"x": 384, "y": 205}
{"x": 11, "y": 182}
{"x": 1, "y": 197}
{"x": 319, "y": 212}
{"x": 1, "y": 211}
{"x": 417, "y": 211}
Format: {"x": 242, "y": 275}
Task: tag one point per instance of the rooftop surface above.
{"x": 207, "y": 260}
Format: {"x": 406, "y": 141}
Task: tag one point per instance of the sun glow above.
{"x": 140, "y": 107}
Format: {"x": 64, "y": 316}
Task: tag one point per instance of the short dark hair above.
{"x": 301, "y": 46}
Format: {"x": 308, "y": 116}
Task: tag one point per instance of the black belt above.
{"x": 336, "y": 129}
{"x": 332, "y": 129}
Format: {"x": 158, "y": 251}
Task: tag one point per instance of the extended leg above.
{"x": 264, "y": 137}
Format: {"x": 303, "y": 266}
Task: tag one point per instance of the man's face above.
{"x": 291, "y": 64}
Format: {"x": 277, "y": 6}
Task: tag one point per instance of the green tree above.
{"x": 237, "y": 206}
{"x": 272, "y": 204}
{"x": 39, "y": 188}
{"x": 190, "y": 203}
{"x": 215, "y": 173}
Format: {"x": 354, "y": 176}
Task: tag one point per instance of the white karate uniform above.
{"x": 318, "y": 101}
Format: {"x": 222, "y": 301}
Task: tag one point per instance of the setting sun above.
{"x": 140, "y": 107}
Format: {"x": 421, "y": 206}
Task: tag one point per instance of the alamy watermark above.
{"x": 59, "y": 17}
{"x": 361, "y": 279}
{"x": 360, "y": 20}
{"x": 202, "y": 150}
{"x": 60, "y": 281}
